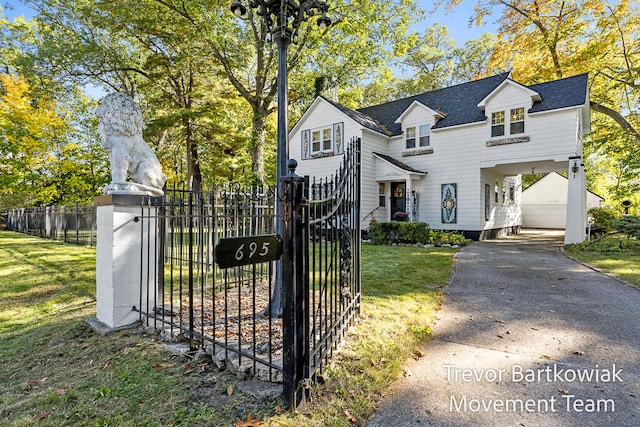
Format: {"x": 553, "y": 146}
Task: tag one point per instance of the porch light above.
{"x": 575, "y": 168}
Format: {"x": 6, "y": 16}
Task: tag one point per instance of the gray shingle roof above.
{"x": 459, "y": 103}
{"x": 567, "y": 92}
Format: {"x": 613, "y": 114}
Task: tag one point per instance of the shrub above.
{"x": 399, "y": 232}
{"x": 629, "y": 225}
{"x": 388, "y": 233}
{"x": 603, "y": 217}
{"x": 446, "y": 237}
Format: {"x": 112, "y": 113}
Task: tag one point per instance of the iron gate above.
{"x": 222, "y": 310}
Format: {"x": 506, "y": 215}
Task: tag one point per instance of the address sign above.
{"x": 237, "y": 251}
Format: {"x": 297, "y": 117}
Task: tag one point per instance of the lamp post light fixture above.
{"x": 282, "y": 18}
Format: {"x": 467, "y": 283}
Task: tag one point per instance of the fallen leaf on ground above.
{"x": 351, "y": 417}
{"x": 579, "y": 353}
{"x": 250, "y": 422}
{"x": 42, "y": 416}
{"x": 563, "y": 390}
{"x": 544, "y": 356}
{"x": 62, "y": 392}
{"x": 499, "y": 336}
{"x": 229, "y": 390}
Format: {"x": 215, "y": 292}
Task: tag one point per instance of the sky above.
{"x": 456, "y": 21}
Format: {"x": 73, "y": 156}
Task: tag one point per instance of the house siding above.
{"x": 465, "y": 155}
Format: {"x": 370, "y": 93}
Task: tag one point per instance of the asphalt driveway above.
{"x": 526, "y": 337}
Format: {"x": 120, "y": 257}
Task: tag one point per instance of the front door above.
{"x": 398, "y": 197}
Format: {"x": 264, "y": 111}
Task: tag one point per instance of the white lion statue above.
{"x": 120, "y": 125}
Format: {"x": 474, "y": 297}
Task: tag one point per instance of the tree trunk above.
{"x": 258, "y": 137}
{"x": 619, "y": 118}
{"x": 194, "y": 175}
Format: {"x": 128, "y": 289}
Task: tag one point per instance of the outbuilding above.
{"x": 544, "y": 203}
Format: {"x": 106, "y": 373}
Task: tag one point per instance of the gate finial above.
{"x": 292, "y": 164}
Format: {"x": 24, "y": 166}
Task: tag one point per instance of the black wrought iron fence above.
{"x": 74, "y": 224}
{"x": 220, "y": 310}
{"x": 334, "y": 256}
{"x": 224, "y": 310}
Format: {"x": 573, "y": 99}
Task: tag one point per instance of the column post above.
{"x": 126, "y": 260}
{"x": 576, "y": 221}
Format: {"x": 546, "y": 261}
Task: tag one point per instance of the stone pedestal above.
{"x": 126, "y": 259}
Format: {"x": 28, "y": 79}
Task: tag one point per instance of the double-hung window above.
{"x": 497, "y": 123}
{"x": 410, "y": 137}
{"x": 322, "y": 140}
{"x": 425, "y": 133}
{"x": 516, "y": 121}
{"x": 381, "y": 196}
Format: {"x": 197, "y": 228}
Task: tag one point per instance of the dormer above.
{"x": 416, "y": 121}
{"x": 509, "y": 88}
{"x": 418, "y": 108}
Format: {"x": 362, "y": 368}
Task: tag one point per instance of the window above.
{"x": 411, "y": 137}
{"x": 512, "y": 193}
{"x": 326, "y": 139}
{"x": 516, "y": 121}
{"x": 425, "y": 132}
{"x": 487, "y": 202}
{"x": 315, "y": 141}
{"x": 322, "y": 140}
{"x": 497, "y": 123}
{"x": 495, "y": 189}
{"x": 381, "y": 197}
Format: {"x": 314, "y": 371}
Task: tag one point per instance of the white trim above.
{"x": 535, "y": 96}
{"x": 479, "y": 123}
{"x": 574, "y": 107}
{"x": 420, "y": 104}
{"x": 404, "y": 171}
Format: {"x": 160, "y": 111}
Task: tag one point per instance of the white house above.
{"x": 544, "y": 203}
{"x": 453, "y": 157}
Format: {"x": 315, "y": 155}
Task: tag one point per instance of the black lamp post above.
{"x": 282, "y": 18}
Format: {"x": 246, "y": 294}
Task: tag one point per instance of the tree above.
{"x": 139, "y": 50}
{"x": 549, "y": 39}
{"x": 553, "y": 39}
{"x": 356, "y": 45}
{"x": 44, "y": 160}
{"x": 434, "y": 61}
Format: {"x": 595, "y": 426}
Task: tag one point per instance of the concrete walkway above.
{"x": 522, "y": 327}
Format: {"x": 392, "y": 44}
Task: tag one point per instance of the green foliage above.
{"x": 629, "y": 225}
{"x": 439, "y": 237}
{"x": 387, "y": 233}
{"x": 399, "y": 232}
{"x": 603, "y": 217}
{"x": 615, "y": 254}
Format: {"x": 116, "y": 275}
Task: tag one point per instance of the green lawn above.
{"x": 615, "y": 254}
{"x": 56, "y": 371}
